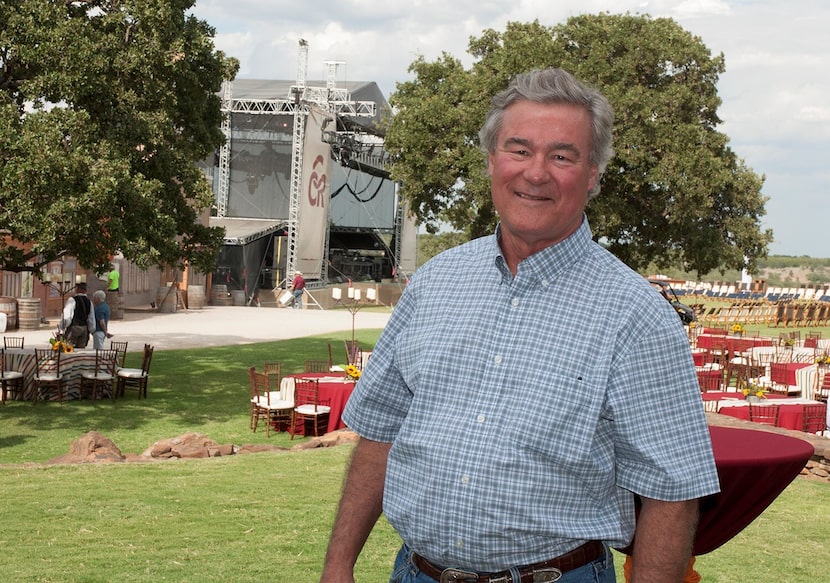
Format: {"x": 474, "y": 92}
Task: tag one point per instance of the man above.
{"x": 102, "y": 319}
{"x": 297, "y": 287}
{"x": 78, "y": 320}
{"x": 113, "y": 279}
{"x": 506, "y": 428}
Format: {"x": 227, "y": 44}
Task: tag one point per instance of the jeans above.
{"x": 599, "y": 571}
{"x": 298, "y": 299}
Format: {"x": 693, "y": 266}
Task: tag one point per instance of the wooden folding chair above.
{"x": 13, "y": 341}
{"x": 101, "y": 379}
{"x": 11, "y": 381}
{"x": 307, "y": 407}
{"x": 764, "y": 414}
{"x": 135, "y": 378}
{"x": 47, "y": 373}
{"x": 814, "y": 419}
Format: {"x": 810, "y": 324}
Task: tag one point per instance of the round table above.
{"x": 754, "y": 467}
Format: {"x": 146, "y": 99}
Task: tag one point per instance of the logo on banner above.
{"x": 317, "y": 182}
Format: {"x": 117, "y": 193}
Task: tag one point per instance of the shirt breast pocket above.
{"x": 553, "y": 408}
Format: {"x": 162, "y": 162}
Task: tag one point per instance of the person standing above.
{"x": 113, "y": 279}
{"x": 77, "y": 320}
{"x": 102, "y": 319}
{"x": 297, "y": 287}
{"x": 507, "y": 429}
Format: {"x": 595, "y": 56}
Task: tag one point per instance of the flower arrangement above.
{"x": 353, "y": 372}
{"x": 789, "y": 342}
{"x": 754, "y": 390}
{"x": 737, "y": 328}
{"x": 60, "y": 344}
{"x": 823, "y": 359}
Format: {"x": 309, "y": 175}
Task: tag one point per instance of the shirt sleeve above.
{"x": 66, "y": 317}
{"x": 90, "y": 318}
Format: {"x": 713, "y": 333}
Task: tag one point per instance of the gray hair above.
{"x": 551, "y": 86}
{"x": 99, "y": 295}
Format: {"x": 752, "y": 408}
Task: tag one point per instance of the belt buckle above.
{"x": 455, "y": 575}
{"x": 546, "y": 575}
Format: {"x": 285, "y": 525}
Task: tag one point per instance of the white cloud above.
{"x": 702, "y": 8}
{"x": 774, "y": 91}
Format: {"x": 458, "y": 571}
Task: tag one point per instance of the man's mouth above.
{"x": 527, "y": 196}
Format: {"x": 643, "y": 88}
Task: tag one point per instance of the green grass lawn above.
{"x": 251, "y": 517}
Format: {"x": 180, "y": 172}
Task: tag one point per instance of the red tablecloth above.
{"x": 733, "y": 343}
{"x": 790, "y": 416}
{"x": 754, "y": 468}
{"x": 333, "y": 393}
{"x": 784, "y": 372}
{"x": 727, "y": 395}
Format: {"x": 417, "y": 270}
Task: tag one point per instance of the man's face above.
{"x": 540, "y": 175}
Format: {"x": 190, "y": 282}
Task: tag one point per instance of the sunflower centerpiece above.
{"x": 353, "y": 372}
{"x": 59, "y": 343}
{"x": 753, "y": 392}
{"x": 737, "y": 329}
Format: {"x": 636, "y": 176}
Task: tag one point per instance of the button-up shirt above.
{"x": 524, "y": 412}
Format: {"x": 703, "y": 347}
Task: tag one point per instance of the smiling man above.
{"x": 507, "y": 422}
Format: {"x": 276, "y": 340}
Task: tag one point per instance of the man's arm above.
{"x": 90, "y": 318}
{"x": 663, "y": 541}
{"x": 361, "y": 505}
{"x": 66, "y": 315}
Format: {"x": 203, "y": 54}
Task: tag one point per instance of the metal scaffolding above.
{"x": 332, "y": 100}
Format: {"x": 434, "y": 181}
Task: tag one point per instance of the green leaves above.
{"x": 675, "y": 193}
{"x": 105, "y": 108}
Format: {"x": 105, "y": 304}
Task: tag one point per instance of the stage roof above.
{"x": 244, "y": 231}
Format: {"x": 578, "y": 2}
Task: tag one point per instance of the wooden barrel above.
{"x": 166, "y": 299}
{"x": 8, "y": 306}
{"x": 195, "y": 297}
{"x": 219, "y": 295}
{"x": 238, "y": 297}
{"x": 28, "y": 313}
{"x": 116, "y": 303}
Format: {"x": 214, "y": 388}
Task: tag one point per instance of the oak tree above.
{"x": 675, "y": 194}
{"x": 105, "y": 108}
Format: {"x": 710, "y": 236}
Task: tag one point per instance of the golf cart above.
{"x": 687, "y": 314}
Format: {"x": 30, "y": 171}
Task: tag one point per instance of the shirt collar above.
{"x": 550, "y": 261}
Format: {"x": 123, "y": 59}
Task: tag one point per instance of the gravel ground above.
{"x": 219, "y": 326}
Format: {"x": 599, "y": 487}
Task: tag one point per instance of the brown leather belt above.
{"x": 543, "y": 572}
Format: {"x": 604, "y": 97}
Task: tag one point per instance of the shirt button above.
{"x": 497, "y": 359}
{"x": 480, "y": 418}
{"x": 514, "y": 302}
{"x": 459, "y": 543}
{"x": 545, "y": 283}
{"x": 465, "y": 479}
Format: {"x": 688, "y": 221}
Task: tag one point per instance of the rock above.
{"x": 91, "y": 447}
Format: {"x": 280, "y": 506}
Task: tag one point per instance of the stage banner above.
{"x": 409, "y": 244}
{"x": 315, "y": 192}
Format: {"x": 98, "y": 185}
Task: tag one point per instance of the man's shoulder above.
{"x": 483, "y": 248}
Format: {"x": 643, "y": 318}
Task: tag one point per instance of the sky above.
{"x": 775, "y": 92}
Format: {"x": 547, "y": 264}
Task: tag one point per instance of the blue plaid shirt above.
{"x": 524, "y": 411}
